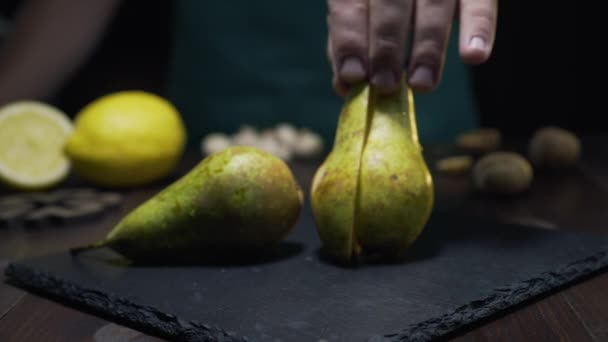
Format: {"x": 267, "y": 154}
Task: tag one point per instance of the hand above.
{"x": 368, "y": 39}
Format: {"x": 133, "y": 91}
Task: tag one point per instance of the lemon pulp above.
{"x": 32, "y": 138}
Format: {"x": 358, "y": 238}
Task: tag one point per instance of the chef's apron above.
{"x": 260, "y": 63}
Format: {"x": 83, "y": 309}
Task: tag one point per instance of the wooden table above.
{"x": 577, "y": 200}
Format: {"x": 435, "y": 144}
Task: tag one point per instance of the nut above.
{"x": 502, "y": 172}
{"x": 455, "y": 165}
{"x": 480, "y": 140}
{"x": 554, "y": 148}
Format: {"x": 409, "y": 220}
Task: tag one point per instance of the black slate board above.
{"x": 460, "y": 271}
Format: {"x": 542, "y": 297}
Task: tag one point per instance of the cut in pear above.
{"x": 374, "y": 192}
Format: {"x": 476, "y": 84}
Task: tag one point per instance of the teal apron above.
{"x": 260, "y": 63}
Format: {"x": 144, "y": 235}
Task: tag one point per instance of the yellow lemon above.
{"x": 32, "y": 137}
{"x": 128, "y": 138}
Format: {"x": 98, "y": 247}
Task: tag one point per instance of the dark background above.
{"x": 529, "y": 81}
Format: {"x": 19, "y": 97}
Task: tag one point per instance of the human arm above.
{"x": 49, "y": 41}
{"x": 368, "y": 39}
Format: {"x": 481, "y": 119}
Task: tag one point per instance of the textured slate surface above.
{"x": 460, "y": 271}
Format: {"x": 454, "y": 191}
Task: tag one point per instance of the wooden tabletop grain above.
{"x": 575, "y": 200}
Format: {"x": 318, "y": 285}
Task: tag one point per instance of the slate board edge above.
{"x": 154, "y": 321}
{"x": 116, "y": 308}
{"x": 499, "y": 300}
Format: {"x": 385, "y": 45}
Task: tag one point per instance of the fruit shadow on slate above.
{"x": 432, "y": 241}
{"x": 212, "y": 258}
{"x": 426, "y": 247}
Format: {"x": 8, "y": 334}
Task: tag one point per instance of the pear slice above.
{"x": 395, "y": 193}
{"x": 334, "y": 187}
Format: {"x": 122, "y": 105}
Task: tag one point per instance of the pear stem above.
{"x": 411, "y": 112}
{"x": 78, "y": 250}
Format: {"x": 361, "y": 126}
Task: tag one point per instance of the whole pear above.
{"x": 374, "y": 192}
{"x": 240, "y": 199}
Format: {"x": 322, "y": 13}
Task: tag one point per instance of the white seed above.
{"x": 286, "y": 134}
{"x": 267, "y": 142}
{"x": 246, "y": 136}
{"x": 267, "y": 135}
{"x": 308, "y": 145}
{"x": 284, "y": 153}
{"x": 270, "y": 144}
{"x": 215, "y": 142}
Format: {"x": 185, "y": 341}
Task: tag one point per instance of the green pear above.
{"x": 374, "y": 192}
{"x": 240, "y": 199}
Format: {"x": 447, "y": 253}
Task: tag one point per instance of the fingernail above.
{"x": 384, "y": 79}
{"x": 352, "y": 70}
{"x": 422, "y": 77}
{"x": 477, "y": 43}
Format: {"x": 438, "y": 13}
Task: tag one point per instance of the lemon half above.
{"x": 32, "y": 138}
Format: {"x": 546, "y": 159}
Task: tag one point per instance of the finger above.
{"x": 433, "y": 22}
{"x": 339, "y": 87}
{"x": 389, "y": 24}
{"x": 347, "y": 23}
{"x": 477, "y": 29}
